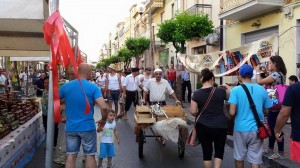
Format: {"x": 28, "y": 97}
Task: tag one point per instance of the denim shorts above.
{"x": 107, "y": 150}
{"x": 88, "y": 139}
{"x": 114, "y": 95}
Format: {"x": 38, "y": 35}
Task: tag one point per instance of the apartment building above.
{"x": 250, "y": 20}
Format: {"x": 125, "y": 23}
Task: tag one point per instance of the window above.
{"x": 199, "y": 50}
{"x": 172, "y": 10}
{"x": 161, "y": 17}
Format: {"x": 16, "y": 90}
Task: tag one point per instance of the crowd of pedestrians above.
{"x": 120, "y": 87}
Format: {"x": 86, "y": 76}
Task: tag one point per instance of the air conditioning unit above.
{"x": 213, "y": 39}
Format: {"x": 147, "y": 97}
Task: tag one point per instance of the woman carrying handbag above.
{"x": 211, "y": 126}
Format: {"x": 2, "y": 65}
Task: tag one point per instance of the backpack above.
{"x": 276, "y": 94}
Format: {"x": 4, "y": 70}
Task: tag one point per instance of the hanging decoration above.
{"x": 62, "y": 53}
{"x": 227, "y": 62}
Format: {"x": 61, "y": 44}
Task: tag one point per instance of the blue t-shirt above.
{"x": 244, "y": 119}
{"x": 77, "y": 121}
{"x": 292, "y": 99}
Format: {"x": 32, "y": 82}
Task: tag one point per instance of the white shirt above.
{"x": 146, "y": 79}
{"x": 158, "y": 90}
{"x": 107, "y": 135}
{"x": 100, "y": 81}
{"x": 131, "y": 83}
{"x": 113, "y": 82}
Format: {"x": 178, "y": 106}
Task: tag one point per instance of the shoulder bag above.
{"x": 192, "y": 139}
{"x": 263, "y": 127}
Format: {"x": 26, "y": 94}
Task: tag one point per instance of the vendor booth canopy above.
{"x": 21, "y": 28}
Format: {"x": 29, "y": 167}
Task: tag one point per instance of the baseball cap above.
{"x": 246, "y": 71}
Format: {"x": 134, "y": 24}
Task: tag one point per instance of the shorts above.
{"x": 247, "y": 144}
{"x": 88, "y": 139}
{"x": 295, "y": 150}
{"x": 114, "y": 95}
{"x": 107, "y": 150}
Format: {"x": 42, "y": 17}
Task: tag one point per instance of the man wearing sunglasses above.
{"x": 158, "y": 88}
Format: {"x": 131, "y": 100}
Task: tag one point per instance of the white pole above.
{"x": 53, "y": 5}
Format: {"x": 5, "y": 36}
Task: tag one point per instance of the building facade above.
{"x": 251, "y": 20}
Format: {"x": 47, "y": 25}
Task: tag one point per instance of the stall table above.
{"x": 18, "y": 147}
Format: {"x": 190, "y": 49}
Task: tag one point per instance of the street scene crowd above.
{"x": 105, "y": 87}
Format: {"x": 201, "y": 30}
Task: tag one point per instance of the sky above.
{"x": 94, "y": 20}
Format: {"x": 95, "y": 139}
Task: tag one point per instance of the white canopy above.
{"x": 21, "y": 28}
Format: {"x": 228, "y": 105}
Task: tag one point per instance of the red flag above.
{"x": 56, "y": 37}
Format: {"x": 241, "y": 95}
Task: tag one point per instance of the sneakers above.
{"x": 277, "y": 156}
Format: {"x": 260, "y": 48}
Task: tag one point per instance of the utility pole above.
{"x": 53, "y": 5}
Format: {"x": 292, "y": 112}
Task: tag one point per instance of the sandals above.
{"x": 277, "y": 156}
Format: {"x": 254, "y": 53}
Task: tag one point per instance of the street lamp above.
{"x": 141, "y": 7}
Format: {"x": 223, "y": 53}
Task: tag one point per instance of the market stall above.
{"x": 21, "y": 35}
{"x": 21, "y": 130}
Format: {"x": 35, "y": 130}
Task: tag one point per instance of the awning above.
{"x": 39, "y": 59}
{"x": 21, "y": 28}
{"x": 227, "y": 62}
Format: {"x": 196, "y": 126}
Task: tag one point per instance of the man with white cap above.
{"x": 158, "y": 88}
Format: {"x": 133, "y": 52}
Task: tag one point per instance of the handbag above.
{"x": 276, "y": 94}
{"x": 192, "y": 139}
{"x": 263, "y": 127}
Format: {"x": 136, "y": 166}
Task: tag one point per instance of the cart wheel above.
{"x": 141, "y": 143}
{"x": 181, "y": 148}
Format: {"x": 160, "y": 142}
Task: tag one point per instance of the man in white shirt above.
{"x": 158, "y": 88}
{"x": 130, "y": 85}
{"x": 146, "y": 77}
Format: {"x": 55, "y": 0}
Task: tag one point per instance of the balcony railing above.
{"x": 226, "y": 5}
{"x": 246, "y": 9}
{"x": 200, "y": 9}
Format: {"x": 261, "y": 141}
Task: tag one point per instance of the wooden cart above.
{"x": 144, "y": 119}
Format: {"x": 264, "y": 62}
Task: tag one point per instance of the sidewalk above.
{"x": 267, "y": 162}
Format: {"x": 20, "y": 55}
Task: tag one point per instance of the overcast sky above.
{"x": 94, "y": 19}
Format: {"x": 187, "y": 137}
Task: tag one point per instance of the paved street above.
{"x": 155, "y": 155}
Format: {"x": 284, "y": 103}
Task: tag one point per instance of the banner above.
{"x": 227, "y": 62}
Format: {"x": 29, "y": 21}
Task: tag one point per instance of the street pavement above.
{"x": 155, "y": 154}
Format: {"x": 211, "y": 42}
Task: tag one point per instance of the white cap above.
{"x": 157, "y": 70}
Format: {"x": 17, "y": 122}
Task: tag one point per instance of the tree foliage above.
{"x": 125, "y": 56}
{"x": 137, "y": 47}
{"x": 107, "y": 61}
{"x": 184, "y": 27}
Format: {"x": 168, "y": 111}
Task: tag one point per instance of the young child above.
{"x": 108, "y": 133}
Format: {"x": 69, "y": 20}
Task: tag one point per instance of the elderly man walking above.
{"x": 158, "y": 88}
{"x": 80, "y": 127}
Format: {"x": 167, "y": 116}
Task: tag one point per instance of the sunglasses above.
{"x": 159, "y": 74}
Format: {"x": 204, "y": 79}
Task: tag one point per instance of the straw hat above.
{"x": 114, "y": 67}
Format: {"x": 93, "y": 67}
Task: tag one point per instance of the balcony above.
{"x": 200, "y": 9}
{"x": 246, "y": 9}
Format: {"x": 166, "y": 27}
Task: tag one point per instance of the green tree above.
{"x": 125, "y": 56}
{"x": 137, "y": 47}
{"x": 184, "y": 27}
